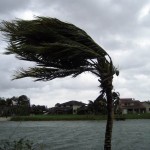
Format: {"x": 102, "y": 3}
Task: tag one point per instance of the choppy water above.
{"x": 79, "y": 135}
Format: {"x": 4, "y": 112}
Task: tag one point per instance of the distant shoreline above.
{"x": 5, "y": 119}
{"x": 75, "y": 117}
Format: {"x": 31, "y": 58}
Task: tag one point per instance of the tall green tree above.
{"x": 23, "y": 105}
{"x": 2, "y": 101}
{"x": 23, "y": 100}
{"x": 60, "y": 49}
{"x": 98, "y": 106}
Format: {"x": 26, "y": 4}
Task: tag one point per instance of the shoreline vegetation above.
{"x": 75, "y": 117}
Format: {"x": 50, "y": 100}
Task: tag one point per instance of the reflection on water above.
{"x": 79, "y": 135}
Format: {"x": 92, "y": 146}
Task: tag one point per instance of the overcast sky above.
{"x": 121, "y": 27}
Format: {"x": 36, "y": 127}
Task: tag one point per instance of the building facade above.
{"x": 70, "y": 107}
{"x": 131, "y": 106}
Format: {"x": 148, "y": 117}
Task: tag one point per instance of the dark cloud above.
{"x": 9, "y": 7}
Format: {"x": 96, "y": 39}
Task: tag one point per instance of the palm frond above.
{"x": 48, "y": 30}
{"x": 52, "y": 43}
{"x": 46, "y": 74}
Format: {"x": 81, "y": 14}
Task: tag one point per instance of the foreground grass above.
{"x": 74, "y": 117}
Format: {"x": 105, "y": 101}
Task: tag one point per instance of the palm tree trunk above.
{"x": 109, "y": 125}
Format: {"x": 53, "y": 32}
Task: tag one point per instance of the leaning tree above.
{"x": 60, "y": 49}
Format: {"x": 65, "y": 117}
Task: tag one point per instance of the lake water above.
{"x": 79, "y": 135}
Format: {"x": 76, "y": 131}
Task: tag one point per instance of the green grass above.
{"x": 138, "y": 116}
{"x": 58, "y": 117}
{"x": 74, "y": 117}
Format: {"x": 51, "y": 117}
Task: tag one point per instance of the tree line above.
{"x": 99, "y": 106}
{"x": 19, "y": 106}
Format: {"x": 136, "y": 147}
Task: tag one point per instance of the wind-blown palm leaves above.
{"x": 99, "y": 105}
{"x": 60, "y": 49}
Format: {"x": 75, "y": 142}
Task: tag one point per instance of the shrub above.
{"x": 21, "y": 144}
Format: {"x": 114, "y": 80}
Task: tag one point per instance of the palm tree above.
{"x": 60, "y": 49}
{"x": 102, "y": 102}
{"x": 116, "y": 101}
{"x": 98, "y": 106}
{"x": 91, "y": 107}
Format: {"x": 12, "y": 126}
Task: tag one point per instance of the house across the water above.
{"x": 126, "y": 105}
{"x": 69, "y": 107}
{"x": 130, "y": 105}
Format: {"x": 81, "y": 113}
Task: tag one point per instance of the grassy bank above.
{"x": 138, "y": 116}
{"x": 74, "y": 117}
{"x": 58, "y": 117}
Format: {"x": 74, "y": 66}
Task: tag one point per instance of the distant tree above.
{"x": 116, "y": 101}
{"x": 57, "y": 105}
{"x": 90, "y": 107}
{"x": 60, "y": 50}
{"x": 83, "y": 110}
{"x": 38, "y": 109}
{"x": 2, "y": 106}
{"x": 95, "y": 107}
{"x": 9, "y": 102}
{"x": 18, "y": 105}
{"x": 99, "y": 106}
{"x": 23, "y": 105}
{"x": 15, "y": 106}
{"x": 9, "y": 106}
{"x": 2, "y": 101}
{"x": 23, "y": 100}
{"x": 14, "y": 100}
